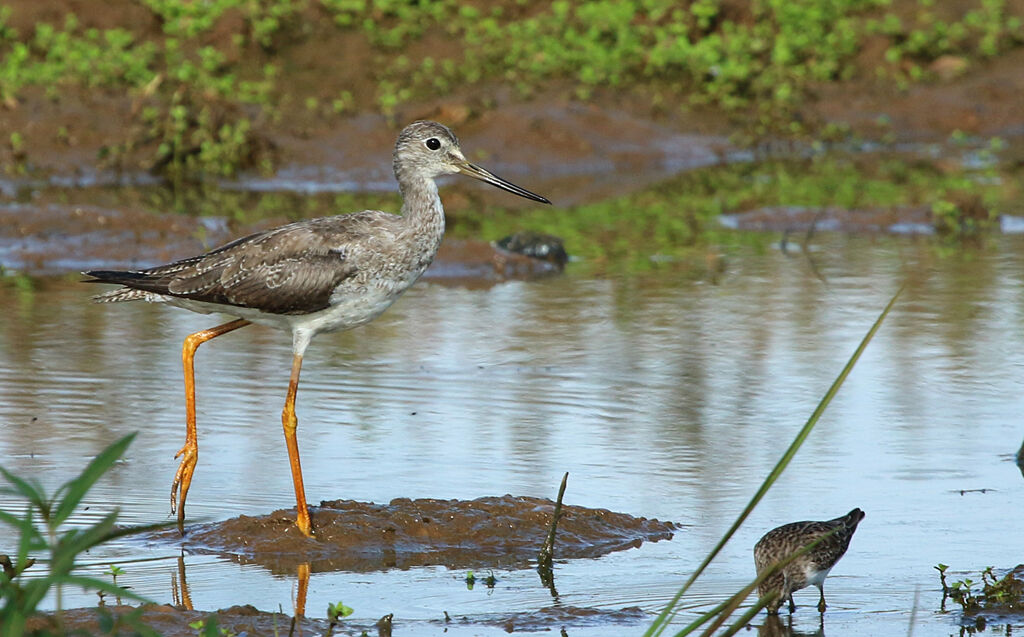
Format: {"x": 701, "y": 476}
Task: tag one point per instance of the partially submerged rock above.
{"x": 475, "y": 263}
{"x": 536, "y": 245}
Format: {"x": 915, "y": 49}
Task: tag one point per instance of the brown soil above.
{"x": 987, "y": 100}
{"x": 487, "y": 532}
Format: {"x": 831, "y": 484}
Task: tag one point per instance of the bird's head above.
{"x": 428, "y": 149}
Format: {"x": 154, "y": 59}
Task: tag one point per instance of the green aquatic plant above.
{"x": 41, "y": 529}
{"x": 113, "y": 571}
{"x": 335, "y": 613}
{"x": 961, "y": 216}
{"x": 1003, "y": 595}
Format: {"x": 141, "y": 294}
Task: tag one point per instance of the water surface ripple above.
{"x": 660, "y": 395}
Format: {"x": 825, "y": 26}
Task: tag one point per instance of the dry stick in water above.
{"x": 547, "y": 551}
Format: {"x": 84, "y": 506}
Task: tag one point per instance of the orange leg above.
{"x": 290, "y": 423}
{"x": 300, "y": 595}
{"x": 186, "y": 598}
{"x": 190, "y": 452}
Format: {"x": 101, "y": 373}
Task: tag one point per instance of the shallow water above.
{"x": 663, "y": 395}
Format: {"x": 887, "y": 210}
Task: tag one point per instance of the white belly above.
{"x": 351, "y": 306}
{"x": 347, "y": 312}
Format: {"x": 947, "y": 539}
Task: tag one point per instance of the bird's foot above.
{"x": 182, "y": 480}
{"x": 305, "y": 523}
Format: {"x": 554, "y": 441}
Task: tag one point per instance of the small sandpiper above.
{"x": 812, "y": 567}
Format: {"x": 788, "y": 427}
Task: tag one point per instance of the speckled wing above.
{"x": 293, "y": 269}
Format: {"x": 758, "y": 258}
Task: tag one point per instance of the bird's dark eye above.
{"x": 433, "y": 143}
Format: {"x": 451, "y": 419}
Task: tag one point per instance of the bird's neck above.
{"x": 421, "y": 209}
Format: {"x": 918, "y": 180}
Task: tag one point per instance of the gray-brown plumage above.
{"x": 308, "y": 277}
{"x": 810, "y": 568}
{"x": 350, "y": 265}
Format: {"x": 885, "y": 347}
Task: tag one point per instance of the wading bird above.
{"x": 812, "y": 567}
{"x": 319, "y": 275}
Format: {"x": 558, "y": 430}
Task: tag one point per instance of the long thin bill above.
{"x": 472, "y": 170}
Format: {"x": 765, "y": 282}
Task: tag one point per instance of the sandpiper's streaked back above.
{"x": 308, "y": 277}
{"x": 812, "y": 567}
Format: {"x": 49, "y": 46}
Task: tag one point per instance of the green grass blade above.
{"x": 77, "y": 541}
{"x": 26, "y": 529}
{"x": 32, "y": 594}
{"x": 25, "y": 489}
{"x": 731, "y": 604}
{"x": 29, "y": 539}
{"x": 744, "y": 619}
{"x": 666, "y": 616}
{"x": 75, "y": 490}
{"x": 13, "y": 625}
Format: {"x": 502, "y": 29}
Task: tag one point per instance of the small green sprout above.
{"x": 211, "y": 629}
{"x": 113, "y": 570}
{"x": 335, "y": 613}
{"x": 338, "y": 611}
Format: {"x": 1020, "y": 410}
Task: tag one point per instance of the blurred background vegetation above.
{"x": 828, "y": 94}
{"x": 208, "y": 81}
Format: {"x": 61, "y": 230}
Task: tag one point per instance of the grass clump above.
{"x": 59, "y": 56}
{"x": 931, "y": 30}
{"x": 187, "y": 100}
{"x": 761, "y": 60}
{"x": 962, "y": 216}
{"x": 43, "y": 529}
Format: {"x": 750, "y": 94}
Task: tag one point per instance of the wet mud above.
{"x": 564, "y": 616}
{"x": 488, "y": 532}
{"x": 173, "y": 621}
